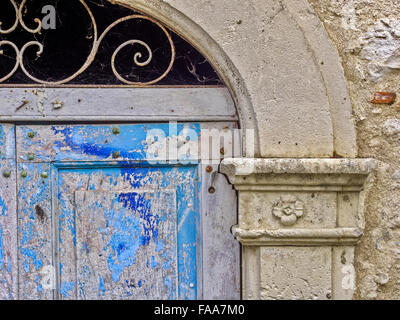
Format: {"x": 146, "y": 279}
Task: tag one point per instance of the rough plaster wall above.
{"x": 367, "y": 35}
{"x": 280, "y": 71}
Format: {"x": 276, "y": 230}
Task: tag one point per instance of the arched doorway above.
{"x": 91, "y": 209}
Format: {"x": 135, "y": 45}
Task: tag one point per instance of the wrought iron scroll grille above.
{"x": 96, "y": 43}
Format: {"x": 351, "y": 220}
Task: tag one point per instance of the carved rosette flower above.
{"x": 288, "y": 211}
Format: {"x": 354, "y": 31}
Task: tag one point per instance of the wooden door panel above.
{"x": 35, "y": 256}
{"x": 156, "y": 256}
{"x": 8, "y": 214}
{"x": 221, "y": 252}
{"x": 126, "y": 245}
{"x": 118, "y": 104}
{"x": 90, "y": 142}
{"x": 8, "y": 231}
{"x": 7, "y": 141}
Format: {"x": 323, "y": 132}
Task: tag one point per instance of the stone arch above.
{"x": 280, "y": 65}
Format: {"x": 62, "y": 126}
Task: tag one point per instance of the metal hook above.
{"x": 211, "y": 189}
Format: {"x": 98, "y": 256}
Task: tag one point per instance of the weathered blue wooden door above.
{"x": 83, "y": 213}
{"x": 86, "y": 212}
{"x": 8, "y": 213}
{"x": 109, "y": 223}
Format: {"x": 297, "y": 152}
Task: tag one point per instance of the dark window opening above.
{"x": 67, "y": 47}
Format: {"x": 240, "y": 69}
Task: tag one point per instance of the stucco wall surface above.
{"x": 367, "y": 36}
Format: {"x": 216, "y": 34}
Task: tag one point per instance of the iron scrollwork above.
{"x": 138, "y": 58}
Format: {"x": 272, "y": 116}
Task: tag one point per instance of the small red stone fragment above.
{"x": 384, "y": 98}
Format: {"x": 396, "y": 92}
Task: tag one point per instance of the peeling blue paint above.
{"x": 34, "y": 246}
{"x": 131, "y": 225}
{"x": 8, "y": 249}
{"x": 7, "y": 142}
{"x": 2, "y": 136}
{"x": 39, "y": 287}
{"x": 1, "y": 250}
{"x": 3, "y": 208}
{"x": 66, "y": 288}
{"x": 97, "y": 142}
{"x": 123, "y": 243}
{"x": 31, "y": 256}
{"x": 129, "y": 232}
{"x": 9, "y": 263}
{"x": 149, "y": 221}
{"x": 154, "y": 263}
{"x": 169, "y": 283}
{"x": 102, "y": 289}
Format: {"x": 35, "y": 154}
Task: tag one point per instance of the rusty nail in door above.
{"x": 116, "y": 154}
{"x": 6, "y": 174}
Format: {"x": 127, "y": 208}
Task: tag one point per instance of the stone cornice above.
{"x": 247, "y": 166}
{"x": 276, "y": 174}
{"x": 338, "y": 236}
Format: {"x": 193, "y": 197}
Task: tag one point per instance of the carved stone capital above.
{"x": 299, "y": 222}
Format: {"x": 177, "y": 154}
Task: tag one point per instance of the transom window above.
{"x": 93, "y": 42}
